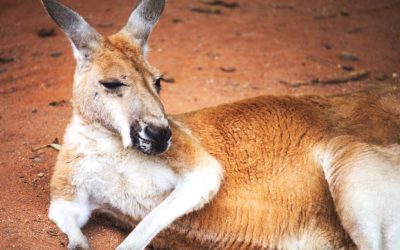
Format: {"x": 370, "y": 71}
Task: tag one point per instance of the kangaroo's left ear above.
{"x": 142, "y": 21}
{"x": 84, "y": 38}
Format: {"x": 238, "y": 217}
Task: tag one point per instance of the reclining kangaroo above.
{"x": 307, "y": 172}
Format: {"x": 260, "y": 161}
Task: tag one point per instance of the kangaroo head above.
{"x": 114, "y": 85}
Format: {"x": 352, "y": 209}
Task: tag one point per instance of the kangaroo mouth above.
{"x": 147, "y": 146}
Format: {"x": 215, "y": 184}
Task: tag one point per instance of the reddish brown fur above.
{"x": 273, "y": 185}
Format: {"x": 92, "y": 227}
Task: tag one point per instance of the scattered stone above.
{"x": 321, "y": 17}
{"x": 222, "y": 3}
{"x": 57, "y": 103}
{"x": 36, "y": 54}
{"x": 228, "y": 69}
{"x": 2, "y": 70}
{"x": 212, "y": 55}
{"x": 105, "y": 25}
{"x": 344, "y": 13}
{"x": 7, "y": 59}
{"x": 56, "y": 54}
{"x": 46, "y": 32}
{"x": 352, "y": 76}
{"x": 52, "y": 232}
{"x": 334, "y": 79}
{"x": 255, "y": 87}
{"x": 33, "y": 183}
{"x": 281, "y": 6}
{"x": 395, "y": 75}
{"x": 199, "y": 68}
{"x": 355, "y": 31}
{"x": 41, "y": 174}
{"x": 346, "y": 67}
{"x": 328, "y": 46}
{"x": 382, "y": 77}
{"x": 208, "y": 11}
{"x": 176, "y": 20}
{"x": 34, "y": 110}
{"x": 346, "y": 56}
{"x": 38, "y": 159}
{"x": 234, "y": 83}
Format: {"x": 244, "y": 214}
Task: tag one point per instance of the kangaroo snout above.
{"x": 151, "y": 139}
{"x": 158, "y": 134}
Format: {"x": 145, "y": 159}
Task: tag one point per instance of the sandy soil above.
{"x": 266, "y": 42}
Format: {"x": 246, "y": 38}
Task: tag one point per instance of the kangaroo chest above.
{"x": 134, "y": 186}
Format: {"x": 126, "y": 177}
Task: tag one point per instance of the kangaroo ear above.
{"x": 84, "y": 38}
{"x": 142, "y": 21}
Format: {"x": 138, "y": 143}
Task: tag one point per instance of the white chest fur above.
{"x": 111, "y": 175}
{"x": 136, "y": 184}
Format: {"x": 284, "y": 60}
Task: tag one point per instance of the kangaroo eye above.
{"x": 112, "y": 85}
{"x": 157, "y": 85}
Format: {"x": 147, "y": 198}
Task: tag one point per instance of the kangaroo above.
{"x": 271, "y": 172}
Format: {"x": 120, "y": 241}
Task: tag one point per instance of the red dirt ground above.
{"x": 267, "y": 42}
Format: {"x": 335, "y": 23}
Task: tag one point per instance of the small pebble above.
{"x": 34, "y": 110}
{"x": 7, "y": 59}
{"x": 2, "y": 70}
{"x": 228, "y": 69}
{"x": 41, "y": 174}
{"x": 57, "y": 103}
{"x": 56, "y": 54}
{"x": 346, "y": 56}
{"x": 38, "y": 159}
{"x": 215, "y": 10}
{"x": 344, "y": 13}
{"x": 395, "y": 75}
{"x": 36, "y": 54}
{"x": 176, "y": 20}
{"x": 346, "y": 67}
{"x": 46, "y": 32}
{"x": 355, "y": 31}
{"x": 52, "y": 232}
{"x": 382, "y": 77}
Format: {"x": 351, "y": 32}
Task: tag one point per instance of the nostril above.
{"x": 167, "y": 134}
{"x": 160, "y": 134}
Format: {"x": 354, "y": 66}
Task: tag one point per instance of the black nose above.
{"x": 158, "y": 134}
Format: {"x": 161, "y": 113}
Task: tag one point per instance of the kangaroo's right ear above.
{"x": 142, "y": 21}
{"x": 84, "y": 38}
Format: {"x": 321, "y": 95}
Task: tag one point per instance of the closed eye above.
{"x": 112, "y": 85}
